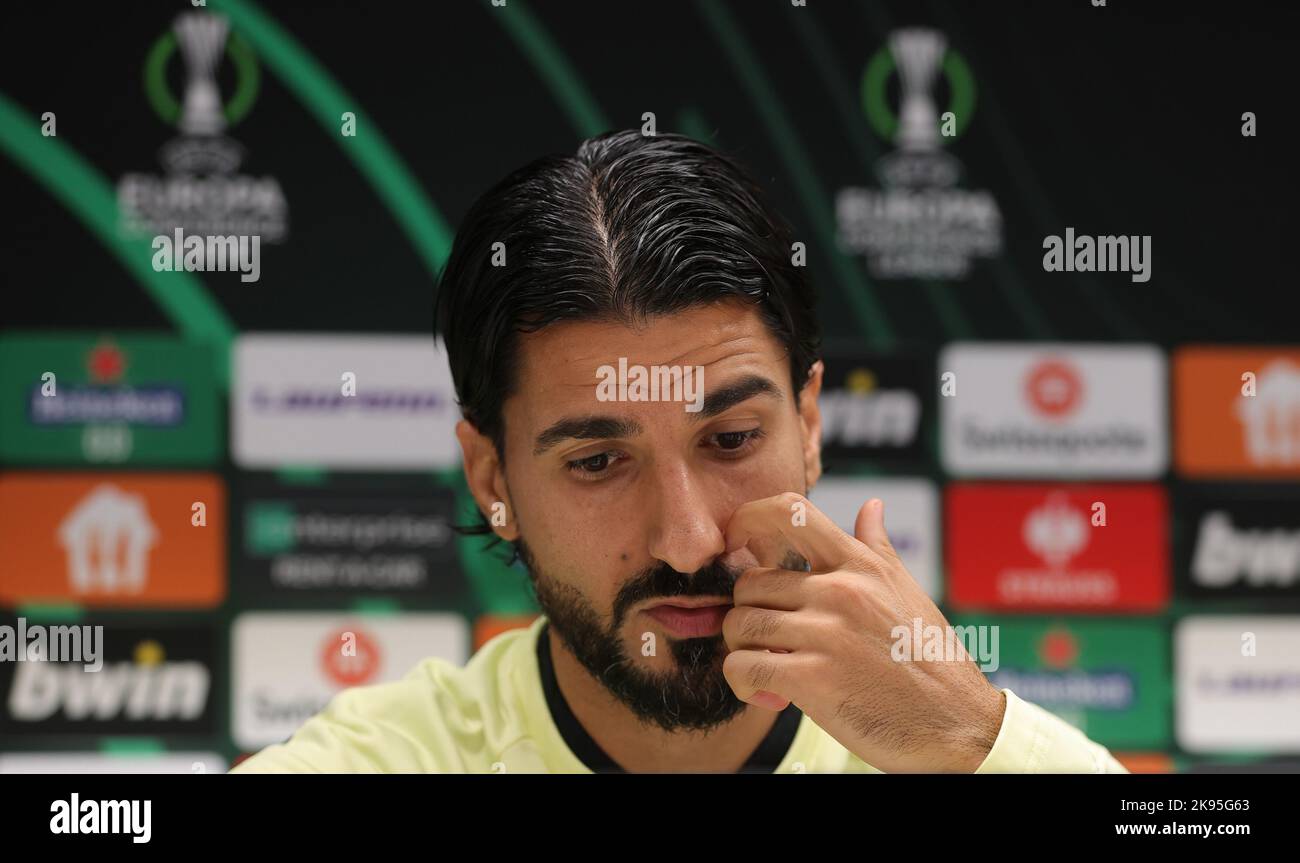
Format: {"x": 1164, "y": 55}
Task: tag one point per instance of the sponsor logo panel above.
{"x": 154, "y": 680}
{"x": 349, "y": 402}
{"x": 1109, "y": 678}
{"x": 1060, "y": 548}
{"x": 1054, "y": 410}
{"x": 1238, "y": 683}
{"x": 1237, "y": 412}
{"x": 81, "y": 399}
{"x": 99, "y": 762}
{"x": 287, "y": 666}
{"x": 1238, "y": 543}
{"x": 113, "y": 539}
{"x": 911, "y": 517}
{"x": 345, "y": 542}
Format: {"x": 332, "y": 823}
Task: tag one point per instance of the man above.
{"x": 636, "y": 359}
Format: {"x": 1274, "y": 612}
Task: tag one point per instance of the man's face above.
{"x": 620, "y": 505}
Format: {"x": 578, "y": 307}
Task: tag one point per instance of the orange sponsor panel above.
{"x": 489, "y": 626}
{"x": 1145, "y": 762}
{"x": 113, "y": 539}
{"x": 1237, "y": 412}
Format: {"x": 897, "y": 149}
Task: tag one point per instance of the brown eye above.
{"x": 595, "y": 463}
{"x": 732, "y": 440}
{"x": 593, "y": 466}
{"x": 733, "y": 444}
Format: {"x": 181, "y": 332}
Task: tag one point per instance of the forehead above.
{"x": 558, "y": 365}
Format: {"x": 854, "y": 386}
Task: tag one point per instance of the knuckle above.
{"x": 845, "y": 594}
{"x": 761, "y": 674}
{"x": 760, "y": 624}
{"x": 790, "y": 498}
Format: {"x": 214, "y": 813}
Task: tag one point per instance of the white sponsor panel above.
{"x": 350, "y": 401}
{"x": 1238, "y": 683}
{"x": 1054, "y": 410}
{"x": 285, "y": 667}
{"x": 99, "y": 762}
{"x": 911, "y": 517}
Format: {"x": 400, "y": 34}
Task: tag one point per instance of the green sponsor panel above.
{"x": 107, "y": 399}
{"x": 1109, "y": 677}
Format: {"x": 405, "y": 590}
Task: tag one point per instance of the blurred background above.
{"x": 1103, "y": 465}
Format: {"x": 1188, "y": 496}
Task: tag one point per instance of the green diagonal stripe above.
{"x": 870, "y": 312}
{"x": 90, "y": 197}
{"x": 549, "y": 61}
{"x": 368, "y": 149}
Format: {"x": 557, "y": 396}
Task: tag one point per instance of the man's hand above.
{"x": 821, "y": 639}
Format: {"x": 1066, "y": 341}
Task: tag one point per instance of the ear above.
{"x": 810, "y": 419}
{"x": 486, "y": 479}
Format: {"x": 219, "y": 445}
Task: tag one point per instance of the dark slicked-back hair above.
{"x": 629, "y": 228}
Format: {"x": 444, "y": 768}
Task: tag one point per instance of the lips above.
{"x": 690, "y": 620}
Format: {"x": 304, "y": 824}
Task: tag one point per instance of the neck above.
{"x": 639, "y": 747}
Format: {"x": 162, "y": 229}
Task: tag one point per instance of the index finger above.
{"x": 792, "y": 517}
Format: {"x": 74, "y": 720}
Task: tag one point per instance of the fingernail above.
{"x": 770, "y": 700}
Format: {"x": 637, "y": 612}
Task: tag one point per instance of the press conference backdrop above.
{"x": 1054, "y": 244}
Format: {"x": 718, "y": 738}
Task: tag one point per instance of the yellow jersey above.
{"x": 491, "y": 716}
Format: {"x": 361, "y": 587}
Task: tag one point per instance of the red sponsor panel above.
{"x": 1057, "y": 547}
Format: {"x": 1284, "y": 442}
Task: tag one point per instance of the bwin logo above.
{"x": 145, "y": 689}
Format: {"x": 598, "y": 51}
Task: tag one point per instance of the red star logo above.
{"x": 1058, "y": 649}
{"x": 106, "y": 363}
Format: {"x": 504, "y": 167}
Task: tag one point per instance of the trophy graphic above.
{"x": 917, "y": 53}
{"x": 201, "y": 38}
{"x": 201, "y": 147}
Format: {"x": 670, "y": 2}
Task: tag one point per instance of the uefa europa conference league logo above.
{"x": 203, "y": 214}
{"x": 920, "y": 224}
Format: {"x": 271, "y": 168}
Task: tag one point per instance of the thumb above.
{"x": 869, "y": 528}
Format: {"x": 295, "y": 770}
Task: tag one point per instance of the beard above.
{"x": 694, "y": 695}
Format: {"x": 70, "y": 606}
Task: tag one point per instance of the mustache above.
{"x": 664, "y": 581}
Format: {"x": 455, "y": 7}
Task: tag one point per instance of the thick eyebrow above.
{"x": 585, "y": 428}
{"x": 736, "y": 392}
{"x": 594, "y": 427}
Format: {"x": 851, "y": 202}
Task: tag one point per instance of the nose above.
{"x": 684, "y": 531}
